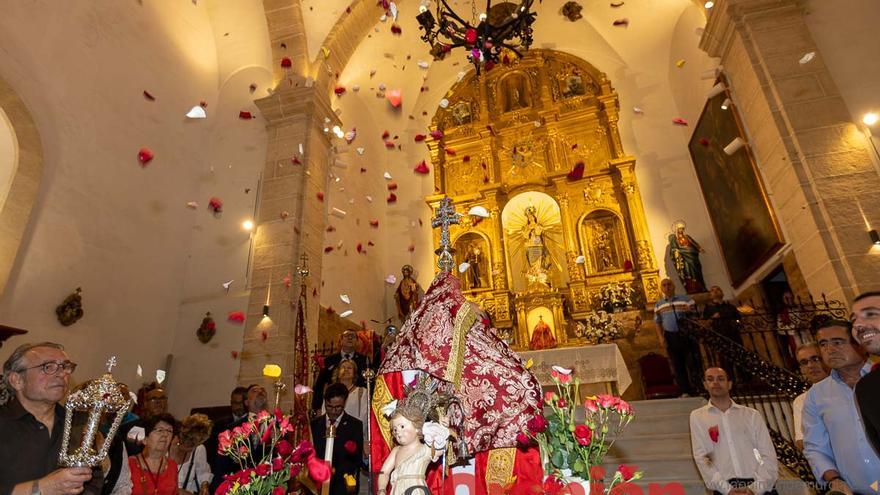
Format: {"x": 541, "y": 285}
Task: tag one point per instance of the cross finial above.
{"x": 445, "y": 216}
{"x": 111, "y": 363}
{"x": 303, "y": 267}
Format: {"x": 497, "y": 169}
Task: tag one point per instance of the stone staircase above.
{"x": 658, "y": 442}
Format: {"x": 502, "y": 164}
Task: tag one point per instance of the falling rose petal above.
{"x": 387, "y": 176}
{"x": 244, "y": 115}
{"x": 390, "y": 280}
{"x": 344, "y": 298}
{"x": 370, "y": 243}
{"x": 300, "y": 389}
{"x": 145, "y": 155}
{"x": 328, "y": 249}
{"x": 419, "y": 138}
{"x": 336, "y": 212}
{"x": 577, "y": 172}
{"x": 330, "y": 228}
{"x": 679, "y": 121}
{"x": 320, "y": 196}
{"x": 197, "y": 112}
{"x": 236, "y": 316}
{"x": 412, "y": 247}
{"x": 233, "y": 354}
{"x": 360, "y": 151}
{"x": 807, "y": 58}
{"x": 395, "y": 29}
{"x": 374, "y": 223}
{"x": 390, "y": 144}
{"x": 680, "y": 63}
{"x": 438, "y": 135}
{"x": 392, "y": 198}
{"x": 386, "y": 135}
{"x": 450, "y": 151}
{"x": 580, "y": 260}
{"x": 622, "y": 22}
{"x": 287, "y": 280}
{"x": 286, "y": 63}
{"x": 704, "y": 141}
{"x": 422, "y": 168}
{"x": 638, "y": 110}
{"x": 346, "y": 314}
{"x": 192, "y": 205}
{"x": 330, "y": 310}
{"x": 350, "y": 135}
{"x": 295, "y": 160}
{"x": 339, "y": 90}
{"x": 140, "y": 371}
{"x": 215, "y": 204}
{"x": 392, "y": 186}
{"x": 369, "y": 198}
{"x": 463, "y": 267}
{"x": 149, "y": 96}
{"x": 392, "y": 7}
{"x": 394, "y": 97}
{"x": 479, "y": 211}
{"x": 616, "y": 4}
{"x": 359, "y": 248}
{"x": 264, "y": 335}
{"x": 284, "y": 214}
{"x": 253, "y": 87}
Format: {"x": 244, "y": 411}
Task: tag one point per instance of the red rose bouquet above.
{"x": 570, "y": 447}
{"x": 267, "y": 459}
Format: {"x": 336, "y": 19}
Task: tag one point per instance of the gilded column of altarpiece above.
{"x": 515, "y": 141}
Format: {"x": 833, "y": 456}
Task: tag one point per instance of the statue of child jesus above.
{"x": 405, "y": 466}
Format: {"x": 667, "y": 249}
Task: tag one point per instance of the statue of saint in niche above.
{"x": 542, "y": 336}
{"x": 474, "y": 259}
{"x": 684, "y": 252}
{"x": 515, "y": 94}
{"x": 537, "y": 255}
{"x": 408, "y": 295}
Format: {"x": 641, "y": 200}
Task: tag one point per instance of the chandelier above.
{"x": 503, "y": 26}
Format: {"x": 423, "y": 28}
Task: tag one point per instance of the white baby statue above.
{"x": 418, "y": 444}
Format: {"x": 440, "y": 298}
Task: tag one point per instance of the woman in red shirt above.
{"x": 152, "y": 471}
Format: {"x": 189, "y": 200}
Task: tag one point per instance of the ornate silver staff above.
{"x": 369, "y": 374}
{"x": 446, "y": 216}
{"x": 95, "y": 397}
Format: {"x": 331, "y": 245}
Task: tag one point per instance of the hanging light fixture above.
{"x": 500, "y": 27}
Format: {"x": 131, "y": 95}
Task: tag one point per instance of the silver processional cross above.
{"x": 445, "y": 216}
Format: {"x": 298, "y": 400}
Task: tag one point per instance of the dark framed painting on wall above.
{"x": 741, "y": 214}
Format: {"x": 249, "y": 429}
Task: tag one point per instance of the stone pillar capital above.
{"x": 298, "y": 103}
{"x": 727, "y": 15}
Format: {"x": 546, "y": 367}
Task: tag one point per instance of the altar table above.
{"x": 602, "y": 363}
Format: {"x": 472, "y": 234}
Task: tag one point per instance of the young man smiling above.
{"x": 866, "y": 330}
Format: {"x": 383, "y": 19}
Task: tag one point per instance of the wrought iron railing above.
{"x": 757, "y": 344}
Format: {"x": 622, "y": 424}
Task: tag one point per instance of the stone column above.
{"x": 816, "y": 164}
{"x": 645, "y": 263}
{"x": 290, "y": 221}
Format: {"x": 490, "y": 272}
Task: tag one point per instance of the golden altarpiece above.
{"x": 515, "y": 141}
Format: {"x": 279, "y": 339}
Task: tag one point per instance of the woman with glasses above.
{"x": 153, "y": 472}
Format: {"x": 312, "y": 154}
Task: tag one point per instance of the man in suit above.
{"x": 253, "y": 400}
{"x": 238, "y": 413}
{"x": 348, "y": 445}
{"x": 866, "y": 330}
{"x": 348, "y": 351}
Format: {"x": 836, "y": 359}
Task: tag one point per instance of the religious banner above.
{"x": 744, "y": 221}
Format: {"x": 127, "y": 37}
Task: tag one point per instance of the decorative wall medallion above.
{"x": 70, "y": 311}
{"x": 207, "y": 329}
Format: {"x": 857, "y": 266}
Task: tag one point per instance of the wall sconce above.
{"x": 265, "y": 311}
{"x": 248, "y": 225}
{"x": 734, "y": 146}
{"x": 716, "y": 90}
{"x": 875, "y": 237}
{"x": 870, "y": 118}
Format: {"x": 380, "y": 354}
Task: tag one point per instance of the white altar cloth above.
{"x": 600, "y": 363}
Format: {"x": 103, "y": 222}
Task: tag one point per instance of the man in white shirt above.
{"x": 814, "y": 370}
{"x": 731, "y": 444}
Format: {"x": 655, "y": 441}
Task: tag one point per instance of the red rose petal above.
{"x": 145, "y": 155}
